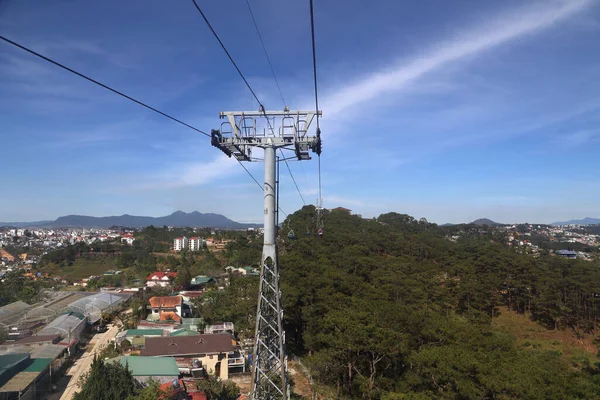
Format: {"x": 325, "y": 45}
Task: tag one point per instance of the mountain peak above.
{"x": 485, "y": 221}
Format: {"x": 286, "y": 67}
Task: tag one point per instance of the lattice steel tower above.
{"x": 285, "y": 130}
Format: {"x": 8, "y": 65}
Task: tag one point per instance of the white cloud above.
{"x": 193, "y": 174}
{"x": 517, "y": 24}
{"x": 578, "y": 138}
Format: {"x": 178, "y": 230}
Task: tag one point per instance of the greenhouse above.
{"x": 93, "y": 306}
{"x": 68, "y": 324}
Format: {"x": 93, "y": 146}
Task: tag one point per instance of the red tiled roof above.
{"x": 160, "y": 275}
{"x": 127, "y": 235}
{"x": 169, "y": 315}
{"x": 165, "y": 301}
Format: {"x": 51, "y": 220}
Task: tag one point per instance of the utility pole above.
{"x": 239, "y": 134}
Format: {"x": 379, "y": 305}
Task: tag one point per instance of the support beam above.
{"x": 287, "y": 130}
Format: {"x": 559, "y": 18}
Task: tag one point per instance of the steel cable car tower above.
{"x": 288, "y": 130}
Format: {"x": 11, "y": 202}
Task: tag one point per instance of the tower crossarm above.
{"x": 278, "y": 129}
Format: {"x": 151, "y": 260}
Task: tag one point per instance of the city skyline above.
{"x": 472, "y": 111}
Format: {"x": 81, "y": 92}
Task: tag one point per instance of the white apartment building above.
{"x": 196, "y": 243}
{"x": 180, "y": 243}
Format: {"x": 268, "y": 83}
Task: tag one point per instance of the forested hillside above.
{"x": 391, "y": 309}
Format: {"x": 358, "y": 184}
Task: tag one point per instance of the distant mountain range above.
{"x": 177, "y": 219}
{"x": 585, "y": 221}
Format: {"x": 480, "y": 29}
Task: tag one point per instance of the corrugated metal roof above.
{"x": 184, "y": 332}
{"x": 7, "y": 361}
{"x": 20, "y": 382}
{"x": 38, "y": 365}
{"x": 48, "y": 351}
{"x": 187, "y": 345}
{"x": 144, "y": 332}
{"x": 38, "y": 339}
{"x": 151, "y": 366}
{"x": 201, "y": 280}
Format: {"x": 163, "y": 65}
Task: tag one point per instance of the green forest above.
{"x": 389, "y": 308}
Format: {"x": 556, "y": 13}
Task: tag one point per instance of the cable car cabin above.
{"x": 320, "y": 233}
{"x": 291, "y": 235}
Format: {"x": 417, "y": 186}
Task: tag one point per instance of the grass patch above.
{"x": 82, "y": 268}
{"x": 530, "y": 335}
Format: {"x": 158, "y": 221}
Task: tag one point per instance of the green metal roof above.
{"x": 151, "y": 366}
{"x": 38, "y": 365}
{"x": 201, "y": 279}
{"x": 184, "y": 332}
{"x": 144, "y": 332}
{"x": 7, "y": 361}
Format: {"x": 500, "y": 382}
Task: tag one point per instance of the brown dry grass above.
{"x": 529, "y": 334}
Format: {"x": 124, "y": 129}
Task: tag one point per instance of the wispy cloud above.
{"x": 579, "y": 138}
{"x": 508, "y": 28}
{"x": 193, "y": 174}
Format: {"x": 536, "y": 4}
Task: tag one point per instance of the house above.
{"x": 180, "y": 243}
{"x": 197, "y": 243}
{"x": 191, "y": 324}
{"x": 161, "y": 369}
{"x": 184, "y": 332}
{"x": 137, "y": 337}
{"x": 162, "y": 279}
{"x": 165, "y": 326}
{"x": 188, "y": 296}
{"x": 223, "y": 327}
{"x": 166, "y": 308}
{"x": 127, "y": 238}
{"x": 201, "y": 281}
{"x": 195, "y": 355}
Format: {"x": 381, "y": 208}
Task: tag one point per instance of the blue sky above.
{"x": 446, "y": 110}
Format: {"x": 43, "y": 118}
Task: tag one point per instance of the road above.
{"x": 83, "y": 364}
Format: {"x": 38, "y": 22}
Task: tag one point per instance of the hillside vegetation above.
{"x": 390, "y": 309}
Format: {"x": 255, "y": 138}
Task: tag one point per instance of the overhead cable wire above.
{"x": 314, "y": 54}
{"x": 116, "y": 92}
{"x": 101, "y": 84}
{"x": 225, "y": 50}
{"x": 261, "y": 106}
{"x": 265, "y": 50}
{"x": 293, "y": 179}
{"x": 278, "y": 88}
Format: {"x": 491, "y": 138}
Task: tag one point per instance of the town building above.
{"x": 162, "y": 279}
{"x": 180, "y": 243}
{"x": 160, "y": 369}
{"x": 195, "y": 355}
{"x": 127, "y": 238}
{"x": 201, "y": 281}
{"x": 197, "y": 243}
{"x": 166, "y": 308}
